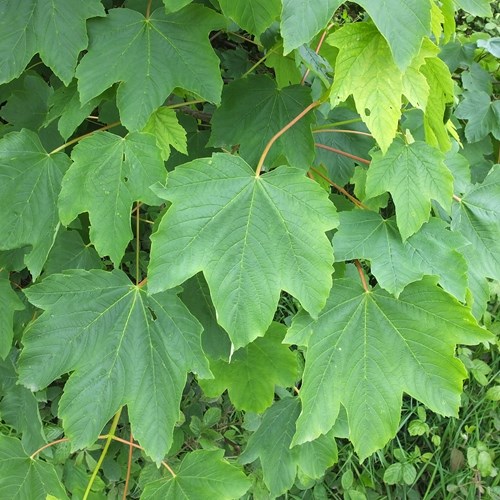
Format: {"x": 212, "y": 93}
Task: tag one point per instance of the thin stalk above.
{"x": 129, "y": 465}
{"x": 148, "y": 9}
{"x": 362, "y": 275}
{"x": 340, "y": 130}
{"x": 112, "y": 431}
{"x": 343, "y": 153}
{"x": 340, "y": 189}
{"x": 84, "y": 136}
{"x": 456, "y": 198}
{"x": 260, "y": 61}
{"x": 278, "y": 134}
{"x": 338, "y": 124}
{"x": 186, "y": 103}
{"x": 137, "y": 243}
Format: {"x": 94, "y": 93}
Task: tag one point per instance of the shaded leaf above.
{"x": 202, "y": 474}
{"x": 256, "y": 103}
{"x": 225, "y": 221}
{"x": 30, "y": 181}
{"x": 122, "y": 347}
{"x": 253, "y": 16}
{"x": 254, "y": 371}
{"x": 9, "y": 304}
{"x": 482, "y": 115}
{"x": 348, "y": 361}
{"x": 150, "y": 57}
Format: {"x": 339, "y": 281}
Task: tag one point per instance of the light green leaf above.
{"x": 365, "y": 235}
{"x": 482, "y": 115}
{"x": 437, "y": 251}
{"x": 441, "y": 93}
{"x": 348, "y": 361}
{"x": 30, "y": 181}
{"x": 22, "y": 477}
{"x": 9, "y": 304}
{"x": 109, "y": 173}
{"x": 390, "y": 15}
{"x": 301, "y": 20}
{"x": 477, "y": 217}
{"x": 256, "y": 103}
{"x": 476, "y": 7}
{"x": 163, "y": 124}
{"x": 54, "y": 28}
{"x": 150, "y": 343}
{"x": 414, "y": 174}
{"x": 150, "y": 58}
{"x": 175, "y": 5}
{"x": 202, "y": 474}
{"x": 225, "y": 222}
{"x": 365, "y": 69}
{"x": 254, "y": 16}
{"x": 19, "y": 408}
{"x": 253, "y": 371}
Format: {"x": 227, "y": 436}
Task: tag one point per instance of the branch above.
{"x": 362, "y": 275}
{"x": 343, "y": 153}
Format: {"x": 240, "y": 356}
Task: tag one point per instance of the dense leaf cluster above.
{"x": 173, "y": 172}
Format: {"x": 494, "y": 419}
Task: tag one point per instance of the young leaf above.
{"x": 477, "y": 217}
{"x": 55, "y": 29}
{"x": 150, "y": 57}
{"x": 22, "y": 477}
{"x": 30, "y": 180}
{"x": 202, "y": 474}
{"x": 256, "y": 103}
{"x": 349, "y": 362}
{"x": 253, "y": 371}
{"x": 122, "y": 347}
{"x": 226, "y": 222}
{"x": 413, "y": 174}
{"x": 374, "y": 80}
{"x": 253, "y": 16}
{"x": 9, "y": 304}
{"x": 109, "y": 173}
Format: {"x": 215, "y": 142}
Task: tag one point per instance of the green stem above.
{"x": 186, "y": 103}
{"x": 111, "y": 434}
{"x": 148, "y": 9}
{"x": 260, "y": 61}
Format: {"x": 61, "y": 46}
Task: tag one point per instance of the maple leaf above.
{"x": 55, "y": 29}
{"x": 254, "y": 16}
{"x": 238, "y": 228}
{"x": 30, "y": 180}
{"x": 253, "y": 372}
{"x": 413, "y": 174}
{"x": 22, "y": 477}
{"x": 123, "y": 347}
{"x": 349, "y": 362}
{"x": 256, "y": 103}
{"x": 109, "y": 173}
{"x": 150, "y": 57}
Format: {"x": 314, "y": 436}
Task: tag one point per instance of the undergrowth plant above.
{"x": 237, "y": 238}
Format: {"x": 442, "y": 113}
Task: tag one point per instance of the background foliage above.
{"x": 249, "y": 249}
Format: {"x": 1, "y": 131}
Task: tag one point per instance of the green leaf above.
{"x": 19, "y": 408}
{"x": 271, "y": 444}
{"x": 374, "y": 80}
{"x": 301, "y": 20}
{"x": 22, "y": 477}
{"x": 256, "y": 103}
{"x": 414, "y": 174}
{"x": 163, "y": 124}
{"x": 109, "y": 173}
{"x": 390, "y": 15}
{"x": 9, "y": 304}
{"x": 202, "y": 474}
{"x": 366, "y": 235}
{"x": 482, "y": 115}
{"x": 254, "y": 16}
{"x": 53, "y": 28}
{"x": 225, "y": 222}
{"x": 477, "y": 217}
{"x": 30, "y": 181}
{"x": 150, "y": 57}
{"x": 141, "y": 361}
{"x": 441, "y": 93}
{"x": 348, "y": 361}
{"x": 253, "y": 371}
{"x": 476, "y": 7}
